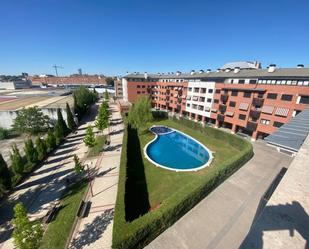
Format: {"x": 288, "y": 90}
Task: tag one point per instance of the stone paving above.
{"x": 44, "y": 186}
{"x": 95, "y": 230}
{"x": 224, "y": 217}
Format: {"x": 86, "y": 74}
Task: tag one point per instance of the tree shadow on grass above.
{"x": 136, "y": 194}
{"x": 93, "y": 231}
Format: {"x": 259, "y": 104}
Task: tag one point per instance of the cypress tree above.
{"x": 89, "y": 139}
{"x": 51, "y": 140}
{"x": 5, "y": 177}
{"x": 70, "y": 118}
{"x": 102, "y": 118}
{"x": 61, "y": 123}
{"x": 17, "y": 161}
{"x": 59, "y": 133}
{"x": 41, "y": 148}
{"x": 31, "y": 152}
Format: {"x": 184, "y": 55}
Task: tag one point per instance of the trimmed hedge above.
{"x": 144, "y": 229}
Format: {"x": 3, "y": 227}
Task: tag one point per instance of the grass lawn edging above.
{"x": 146, "y": 228}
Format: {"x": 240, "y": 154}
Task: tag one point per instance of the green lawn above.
{"x": 97, "y": 149}
{"x": 151, "y": 198}
{"x": 59, "y": 229}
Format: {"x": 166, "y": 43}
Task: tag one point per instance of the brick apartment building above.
{"x": 248, "y": 99}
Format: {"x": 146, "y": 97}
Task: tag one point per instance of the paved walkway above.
{"x": 284, "y": 222}
{"x": 95, "y": 230}
{"x": 45, "y": 186}
{"x": 224, "y": 217}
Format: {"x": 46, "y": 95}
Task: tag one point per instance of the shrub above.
{"x": 30, "y": 152}
{"x": 51, "y": 140}
{"x": 4, "y": 133}
{"x": 17, "y": 161}
{"x": 70, "y": 118}
{"x": 146, "y": 228}
{"x": 78, "y": 167}
{"x": 5, "y": 177}
{"x": 41, "y": 148}
{"x": 89, "y": 139}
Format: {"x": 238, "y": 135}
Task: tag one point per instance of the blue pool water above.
{"x": 175, "y": 150}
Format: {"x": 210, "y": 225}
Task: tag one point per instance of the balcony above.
{"x": 257, "y": 101}
{"x": 251, "y": 126}
{"x": 222, "y": 108}
{"x": 255, "y": 114}
{"x": 224, "y": 97}
{"x": 220, "y": 118}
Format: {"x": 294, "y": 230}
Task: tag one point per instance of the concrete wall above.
{"x": 7, "y": 117}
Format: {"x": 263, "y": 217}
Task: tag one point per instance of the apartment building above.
{"x": 253, "y": 101}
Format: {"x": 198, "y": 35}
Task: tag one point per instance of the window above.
{"x": 247, "y": 95}
{"x": 210, "y": 90}
{"x": 234, "y": 93}
{"x": 143, "y": 86}
{"x": 218, "y": 90}
{"x": 202, "y": 99}
{"x": 242, "y": 116}
{"x": 272, "y": 95}
{"x": 203, "y": 90}
{"x": 252, "y": 81}
{"x": 260, "y": 95}
{"x": 190, "y": 89}
{"x": 138, "y": 86}
{"x": 209, "y": 100}
{"x": 286, "y": 97}
{"x": 264, "y": 121}
{"x": 138, "y": 92}
{"x": 241, "y": 82}
{"x": 196, "y": 89}
{"x": 216, "y": 101}
{"x": 232, "y": 103}
{"x": 277, "y": 124}
{"x": 201, "y": 108}
{"x": 194, "y": 106}
{"x": 188, "y": 105}
{"x": 304, "y": 100}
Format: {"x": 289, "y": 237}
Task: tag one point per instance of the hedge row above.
{"x": 149, "y": 226}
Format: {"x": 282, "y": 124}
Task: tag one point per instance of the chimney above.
{"x": 300, "y": 66}
{"x": 192, "y": 72}
{"x": 145, "y": 75}
{"x": 178, "y": 73}
{"x": 201, "y": 71}
{"x": 272, "y": 68}
{"x": 227, "y": 70}
{"x": 236, "y": 69}
{"x": 218, "y": 70}
{"x": 208, "y": 70}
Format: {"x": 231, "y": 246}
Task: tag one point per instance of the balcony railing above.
{"x": 222, "y": 108}
{"x": 220, "y": 118}
{"x": 224, "y": 97}
{"x": 251, "y": 126}
{"x": 257, "y": 101}
{"x": 255, "y": 114}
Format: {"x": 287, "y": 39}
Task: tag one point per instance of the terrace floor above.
{"x": 223, "y": 218}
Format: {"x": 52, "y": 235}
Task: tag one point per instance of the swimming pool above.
{"x": 174, "y": 150}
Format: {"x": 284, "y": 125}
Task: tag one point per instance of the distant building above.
{"x": 118, "y": 88}
{"x": 241, "y": 65}
{"x": 76, "y": 80}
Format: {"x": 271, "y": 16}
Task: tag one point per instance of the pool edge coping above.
{"x": 177, "y": 170}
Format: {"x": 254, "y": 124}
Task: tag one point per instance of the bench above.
{"x": 50, "y": 214}
{"x": 83, "y": 209}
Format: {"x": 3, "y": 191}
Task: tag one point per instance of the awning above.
{"x": 243, "y": 106}
{"x": 268, "y": 109}
{"x": 214, "y": 110}
{"x": 188, "y": 97}
{"x": 230, "y": 114}
{"x": 195, "y": 98}
{"x": 283, "y": 112}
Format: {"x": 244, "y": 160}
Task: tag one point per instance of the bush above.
{"x": 4, "y": 133}
{"x": 146, "y": 228}
{"x": 51, "y": 140}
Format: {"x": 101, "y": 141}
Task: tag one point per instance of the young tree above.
{"x": 51, "y": 140}
{"x": 31, "y": 120}
{"x": 17, "y": 161}
{"x": 41, "y": 148}
{"x": 5, "y": 177}
{"x": 102, "y": 118}
{"x": 61, "y": 123}
{"x": 140, "y": 113}
{"x": 89, "y": 139}
{"x": 30, "y": 152}
{"x": 70, "y": 118}
{"x": 84, "y": 98}
{"x": 106, "y": 95}
{"x": 78, "y": 167}
{"x": 26, "y": 234}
